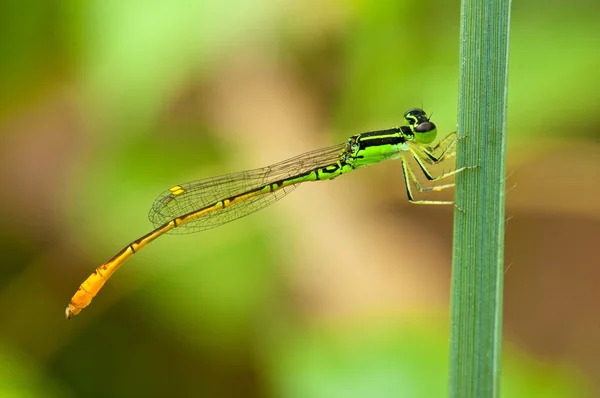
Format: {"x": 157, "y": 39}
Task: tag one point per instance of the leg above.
{"x": 428, "y": 154}
{"x": 453, "y": 134}
{"x": 431, "y": 178}
{"x": 410, "y": 176}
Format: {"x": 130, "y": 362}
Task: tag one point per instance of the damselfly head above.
{"x": 415, "y": 117}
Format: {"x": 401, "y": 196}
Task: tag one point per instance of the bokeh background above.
{"x": 341, "y": 289}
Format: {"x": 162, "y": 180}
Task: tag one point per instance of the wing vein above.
{"x": 195, "y": 195}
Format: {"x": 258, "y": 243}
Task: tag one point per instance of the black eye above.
{"x": 425, "y": 127}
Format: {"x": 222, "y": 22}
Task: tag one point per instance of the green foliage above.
{"x": 478, "y": 261}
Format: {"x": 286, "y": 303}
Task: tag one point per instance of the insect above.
{"x": 211, "y": 202}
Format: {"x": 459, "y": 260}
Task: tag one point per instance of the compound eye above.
{"x": 424, "y": 127}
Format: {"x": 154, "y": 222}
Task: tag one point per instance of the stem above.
{"x": 478, "y": 256}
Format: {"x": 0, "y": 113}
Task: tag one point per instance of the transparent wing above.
{"x": 186, "y": 198}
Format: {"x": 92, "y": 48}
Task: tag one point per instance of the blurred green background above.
{"x": 341, "y": 289}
